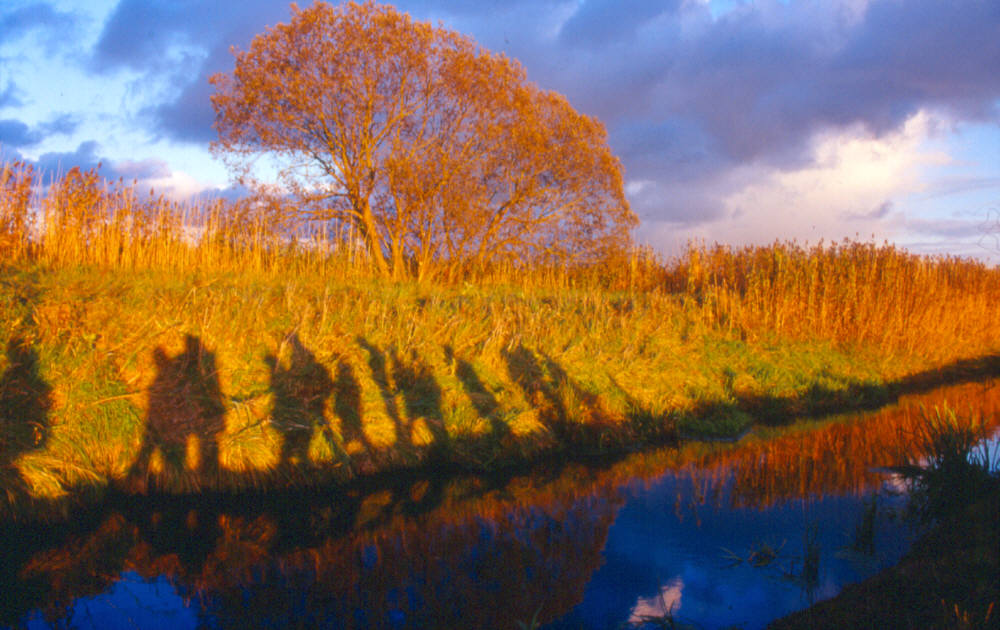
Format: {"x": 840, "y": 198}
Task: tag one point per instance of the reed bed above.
{"x": 849, "y": 293}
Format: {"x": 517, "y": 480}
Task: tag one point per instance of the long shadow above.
{"x": 562, "y": 379}
{"x": 347, "y": 405}
{"x": 819, "y": 401}
{"x": 524, "y": 369}
{"x": 380, "y": 374}
{"x": 184, "y": 419}
{"x": 300, "y": 394}
{"x": 421, "y": 394}
{"x": 25, "y": 401}
{"x": 482, "y": 399}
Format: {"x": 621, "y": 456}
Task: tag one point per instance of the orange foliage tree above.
{"x": 435, "y": 153}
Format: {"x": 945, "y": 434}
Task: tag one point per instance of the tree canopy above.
{"x": 430, "y": 149}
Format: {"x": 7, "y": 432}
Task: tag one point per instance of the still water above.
{"x": 714, "y": 536}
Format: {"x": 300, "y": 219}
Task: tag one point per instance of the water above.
{"x": 710, "y": 535}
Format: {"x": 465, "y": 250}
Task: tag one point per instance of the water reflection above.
{"x": 711, "y": 534}
{"x": 843, "y": 457}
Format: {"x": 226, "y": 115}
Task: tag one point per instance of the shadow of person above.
{"x": 25, "y": 400}
{"x": 525, "y": 370}
{"x": 183, "y": 421}
{"x": 484, "y": 402}
{"x": 300, "y": 393}
{"x": 347, "y": 404}
{"x": 421, "y": 394}
{"x": 380, "y": 374}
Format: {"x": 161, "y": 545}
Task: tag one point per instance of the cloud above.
{"x": 662, "y": 605}
{"x": 190, "y": 117}
{"x": 879, "y": 212}
{"x": 62, "y": 124}
{"x": 9, "y": 96}
{"x": 140, "y": 34}
{"x": 54, "y": 27}
{"x": 14, "y": 133}
{"x": 17, "y": 22}
{"x": 146, "y": 175}
{"x": 142, "y": 170}
{"x": 55, "y": 163}
{"x": 848, "y": 189}
{"x": 86, "y": 157}
{"x": 694, "y": 103}
{"x": 599, "y": 22}
{"x": 182, "y": 43}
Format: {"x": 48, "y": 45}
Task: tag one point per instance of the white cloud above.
{"x": 848, "y": 189}
{"x": 178, "y": 186}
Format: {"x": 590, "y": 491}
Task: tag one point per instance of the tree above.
{"x": 430, "y": 149}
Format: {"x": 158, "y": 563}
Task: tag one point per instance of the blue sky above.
{"x": 737, "y": 121}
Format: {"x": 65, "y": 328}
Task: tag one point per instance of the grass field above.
{"x": 149, "y": 345}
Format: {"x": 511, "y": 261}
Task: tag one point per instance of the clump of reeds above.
{"x": 16, "y": 180}
{"x": 851, "y": 293}
{"x": 955, "y": 467}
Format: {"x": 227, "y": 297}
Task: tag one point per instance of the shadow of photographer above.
{"x": 183, "y": 420}
{"x": 301, "y": 389}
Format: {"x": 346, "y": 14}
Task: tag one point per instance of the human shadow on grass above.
{"x": 347, "y": 405}
{"x": 25, "y": 401}
{"x": 577, "y": 414}
{"x": 484, "y": 402}
{"x": 414, "y": 379}
{"x": 183, "y": 421}
{"x": 301, "y": 390}
{"x": 539, "y": 388}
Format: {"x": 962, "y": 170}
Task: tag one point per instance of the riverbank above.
{"x": 949, "y": 579}
{"x": 150, "y": 379}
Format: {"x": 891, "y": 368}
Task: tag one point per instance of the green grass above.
{"x": 181, "y": 382}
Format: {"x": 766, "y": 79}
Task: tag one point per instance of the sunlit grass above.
{"x": 313, "y": 367}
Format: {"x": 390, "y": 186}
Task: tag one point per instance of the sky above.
{"x": 737, "y": 121}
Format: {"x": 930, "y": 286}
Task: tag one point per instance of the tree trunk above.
{"x": 372, "y": 241}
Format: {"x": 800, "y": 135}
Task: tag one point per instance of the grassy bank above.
{"x": 139, "y": 356}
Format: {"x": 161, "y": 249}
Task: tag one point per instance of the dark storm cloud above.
{"x": 148, "y": 35}
{"x": 190, "y": 117}
{"x": 907, "y": 54}
{"x": 762, "y": 81}
{"x": 139, "y": 33}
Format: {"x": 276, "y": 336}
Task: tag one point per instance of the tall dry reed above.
{"x": 849, "y": 293}
{"x": 877, "y": 296}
